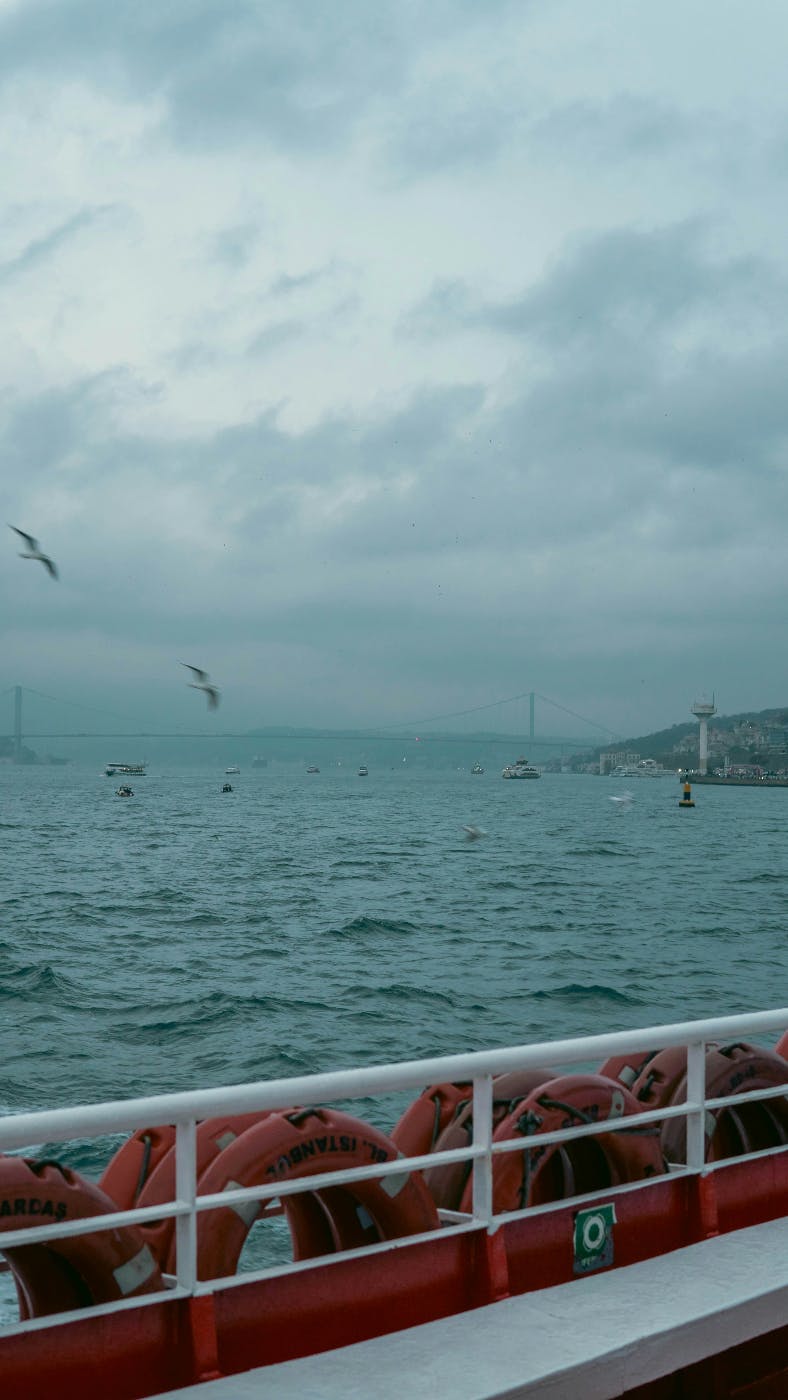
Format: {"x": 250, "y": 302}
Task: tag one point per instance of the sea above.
{"x": 186, "y": 937}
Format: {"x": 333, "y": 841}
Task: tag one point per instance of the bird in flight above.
{"x": 33, "y": 551}
{"x": 474, "y": 833}
{"x": 203, "y": 682}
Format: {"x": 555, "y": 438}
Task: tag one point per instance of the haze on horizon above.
{"x": 389, "y": 360}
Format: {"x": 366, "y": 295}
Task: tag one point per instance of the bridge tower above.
{"x": 17, "y": 724}
{"x": 703, "y": 710}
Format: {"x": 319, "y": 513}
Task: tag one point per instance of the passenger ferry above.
{"x": 521, "y": 768}
{"x": 525, "y": 1227}
{"x": 137, "y": 769}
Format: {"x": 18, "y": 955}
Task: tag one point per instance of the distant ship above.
{"x": 521, "y": 768}
{"x": 363, "y": 771}
{"x": 233, "y": 769}
{"x": 313, "y": 768}
{"x": 137, "y": 768}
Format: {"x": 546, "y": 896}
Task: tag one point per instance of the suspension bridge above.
{"x": 509, "y": 712}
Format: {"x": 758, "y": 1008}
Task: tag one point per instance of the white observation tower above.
{"x": 704, "y": 709}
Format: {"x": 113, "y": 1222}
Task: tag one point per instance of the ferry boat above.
{"x": 521, "y": 768}
{"x": 233, "y": 769}
{"x": 645, "y": 768}
{"x": 137, "y": 769}
{"x": 524, "y": 1229}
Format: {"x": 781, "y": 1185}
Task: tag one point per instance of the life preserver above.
{"x": 213, "y": 1135}
{"x": 781, "y": 1048}
{"x": 748, "y": 1127}
{"x": 126, "y": 1173}
{"x": 446, "y": 1183}
{"x": 556, "y": 1171}
{"x": 78, "y": 1271}
{"x": 627, "y": 1068}
{"x": 286, "y": 1146}
{"x": 424, "y": 1120}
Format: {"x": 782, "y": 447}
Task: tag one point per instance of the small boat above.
{"x": 313, "y": 768}
{"x": 227, "y": 787}
{"x": 363, "y": 771}
{"x": 233, "y": 769}
{"x": 521, "y": 768}
{"x": 124, "y": 791}
{"x": 477, "y": 768}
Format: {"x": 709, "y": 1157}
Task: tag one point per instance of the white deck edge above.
{"x": 596, "y": 1337}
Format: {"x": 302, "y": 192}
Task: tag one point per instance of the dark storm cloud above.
{"x": 299, "y": 75}
{"x": 38, "y": 250}
{"x": 627, "y": 126}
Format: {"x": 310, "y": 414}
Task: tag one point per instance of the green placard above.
{"x": 593, "y": 1238}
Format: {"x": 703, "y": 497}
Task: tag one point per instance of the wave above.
{"x": 36, "y": 980}
{"x": 364, "y": 925}
{"x": 576, "y": 991}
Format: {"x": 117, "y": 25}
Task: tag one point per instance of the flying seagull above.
{"x": 625, "y": 800}
{"x": 203, "y": 683}
{"x": 33, "y": 551}
{"x": 473, "y": 833}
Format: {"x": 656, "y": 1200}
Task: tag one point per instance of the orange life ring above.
{"x": 559, "y": 1170}
{"x": 781, "y": 1048}
{"x": 748, "y": 1127}
{"x": 135, "y": 1160}
{"x": 425, "y": 1119}
{"x": 288, "y": 1146}
{"x": 213, "y": 1135}
{"x": 78, "y": 1271}
{"x": 626, "y": 1068}
{"x": 446, "y": 1183}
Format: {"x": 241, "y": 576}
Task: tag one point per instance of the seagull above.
{"x": 33, "y": 551}
{"x": 203, "y": 683}
{"x": 472, "y": 833}
{"x": 625, "y": 800}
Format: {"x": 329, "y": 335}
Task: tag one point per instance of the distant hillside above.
{"x": 666, "y": 741}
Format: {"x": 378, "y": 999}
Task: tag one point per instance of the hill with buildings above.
{"x": 754, "y": 737}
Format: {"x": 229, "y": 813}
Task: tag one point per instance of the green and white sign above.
{"x": 593, "y": 1238}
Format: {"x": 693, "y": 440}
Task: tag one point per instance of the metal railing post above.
{"x": 482, "y": 1137}
{"x": 696, "y": 1093}
{"x": 186, "y": 1190}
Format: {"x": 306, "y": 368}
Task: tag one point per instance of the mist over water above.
{"x": 186, "y": 937}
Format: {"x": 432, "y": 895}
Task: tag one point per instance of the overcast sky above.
{"x": 387, "y": 359}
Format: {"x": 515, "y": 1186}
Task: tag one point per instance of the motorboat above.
{"x": 477, "y": 768}
{"x": 233, "y": 769}
{"x": 124, "y": 791}
{"x": 521, "y": 768}
{"x": 227, "y": 787}
{"x": 363, "y": 771}
{"x": 313, "y": 768}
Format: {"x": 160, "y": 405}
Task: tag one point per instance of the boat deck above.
{"x": 597, "y": 1337}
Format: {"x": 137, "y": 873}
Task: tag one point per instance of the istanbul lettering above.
{"x": 321, "y": 1146}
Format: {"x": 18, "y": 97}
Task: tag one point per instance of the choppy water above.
{"x": 187, "y": 938}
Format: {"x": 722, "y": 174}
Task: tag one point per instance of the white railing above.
{"x": 185, "y": 1110}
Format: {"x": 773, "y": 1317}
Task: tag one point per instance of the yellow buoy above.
{"x": 686, "y": 800}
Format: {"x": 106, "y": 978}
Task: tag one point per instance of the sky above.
{"x": 386, "y": 360}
